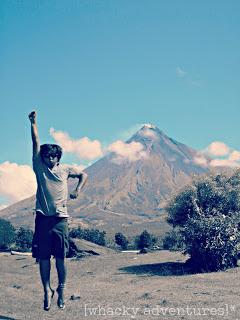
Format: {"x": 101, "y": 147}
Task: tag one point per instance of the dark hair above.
{"x": 53, "y": 149}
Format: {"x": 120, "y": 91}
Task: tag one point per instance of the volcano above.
{"x": 123, "y": 192}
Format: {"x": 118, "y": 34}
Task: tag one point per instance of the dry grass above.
{"x": 117, "y": 281}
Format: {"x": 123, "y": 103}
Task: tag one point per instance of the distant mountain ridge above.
{"x": 125, "y": 193}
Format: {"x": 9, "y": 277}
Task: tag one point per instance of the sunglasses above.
{"x": 48, "y": 155}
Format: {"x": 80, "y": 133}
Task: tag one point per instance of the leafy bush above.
{"x": 24, "y": 239}
{"x": 207, "y": 215}
{"x": 173, "y": 240}
{"x": 145, "y": 240}
{"x": 77, "y": 233}
{"x": 7, "y": 234}
{"x": 121, "y": 240}
{"x": 92, "y": 235}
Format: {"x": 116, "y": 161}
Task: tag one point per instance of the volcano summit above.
{"x": 127, "y": 188}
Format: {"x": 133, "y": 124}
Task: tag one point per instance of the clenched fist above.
{"x": 32, "y": 116}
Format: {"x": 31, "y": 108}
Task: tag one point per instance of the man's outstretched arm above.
{"x": 35, "y": 138}
{"x": 81, "y": 182}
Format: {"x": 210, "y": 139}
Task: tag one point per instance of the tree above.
{"x": 76, "y": 233}
{"x": 92, "y": 235}
{"x": 145, "y": 240}
{"x": 7, "y": 234}
{"x": 24, "y": 239}
{"x": 206, "y": 214}
{"x": 95, "y": 236}
{"x": 121, "y": 240}
{"x": 173, "y": 241}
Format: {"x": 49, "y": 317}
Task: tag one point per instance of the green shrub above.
{"x": 207, "y": 215}
{"x": 174, "y": 241}
{"x": 121, "y": 240}
{"x": 145, "y": 240}
{"x": 77, "y": 233}
{"x": 24, "y": 239}
{"x": 7, "y": 234}
{"x": 92, "y": 235}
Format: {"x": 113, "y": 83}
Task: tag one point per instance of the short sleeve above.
{"x": 73, "y": 170}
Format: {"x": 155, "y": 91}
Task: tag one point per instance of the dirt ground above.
{"x": 121, "y": 286}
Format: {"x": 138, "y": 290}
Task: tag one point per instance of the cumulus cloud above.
{"x": 127, "y": 151}
{"x": 17, "y": 182}
{"x": 3, "y": 206}
{"x": 200, "y": 160}
{"x": 234, "y": 156}
{"x": 84, "y": 148}
{"x": 219, "y": 154}
{"x": 218, "y": 149}
{"x": 126, "y": 134}
{"x": 224, "y": 163}
{"x": 180, "y": 72}
{"x": 146, "y": 131}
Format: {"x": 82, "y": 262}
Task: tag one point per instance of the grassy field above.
{"x": 121, "y": 286}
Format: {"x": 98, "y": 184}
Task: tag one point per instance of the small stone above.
{"x": 74, "y": 297}
{"x": 16, "y": 286}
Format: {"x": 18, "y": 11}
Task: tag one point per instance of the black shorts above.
{"x": 50, "y": 237}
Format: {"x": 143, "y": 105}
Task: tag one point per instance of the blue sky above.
{"x": 99, "y": 68}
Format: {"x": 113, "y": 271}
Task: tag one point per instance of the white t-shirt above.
{"x": 52, "y": 189}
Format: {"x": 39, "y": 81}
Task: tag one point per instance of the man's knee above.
{"x": 44, "y": 261}
{"x": 60, "y": 261}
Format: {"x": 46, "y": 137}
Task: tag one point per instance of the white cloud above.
{"x": 234, "y": 156}
{"x": 217, "y": 149}
{"x": 221, "y": 155}
{"x": 224, "y": 163}
{"x": 3, "y": 206}
{"x": 84, "y": 148}
{"x": 180, "y": 72}
{"x": 127, "y": 151}
{"x": 126, "y": 134}
{"x": 200, "y": 160}
{"x": 146, "y": 131}
{"x": 17, "y": 182}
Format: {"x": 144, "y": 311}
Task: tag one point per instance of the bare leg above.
{"x": 62, "y": 274}
{"x": 45, "y": 267}
{"x": 61, "y": 270}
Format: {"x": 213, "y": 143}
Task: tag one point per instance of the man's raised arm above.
{"x": 35, "y": 138}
